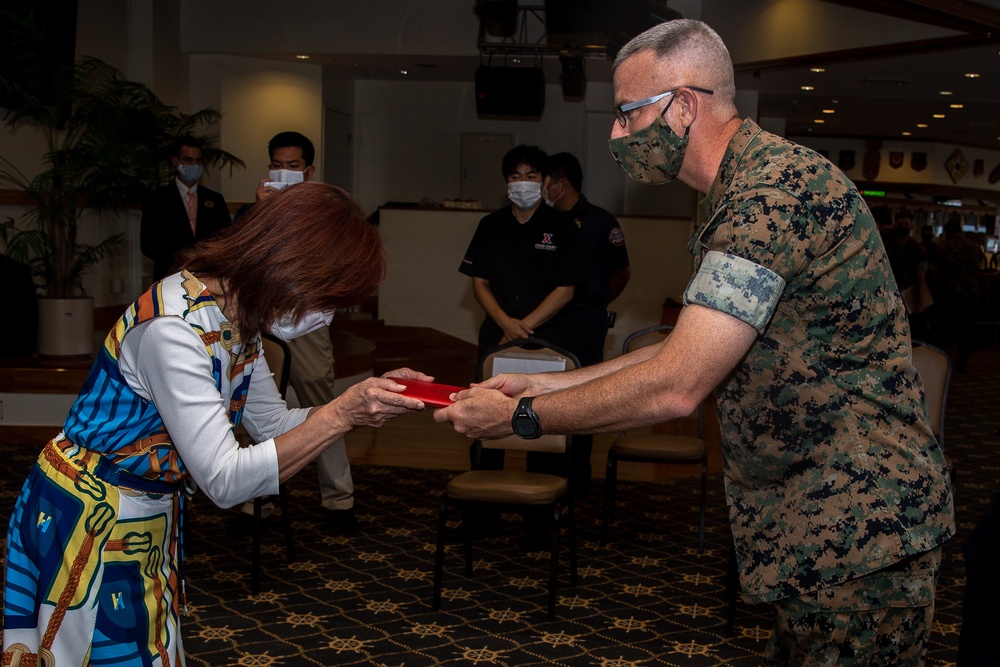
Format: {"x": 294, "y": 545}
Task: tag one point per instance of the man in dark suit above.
{"x": 178, "y": 215}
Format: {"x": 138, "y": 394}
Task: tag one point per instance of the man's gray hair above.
{"x": 692, "y": 41}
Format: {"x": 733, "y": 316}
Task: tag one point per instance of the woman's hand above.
{"x": 375, "y": 401}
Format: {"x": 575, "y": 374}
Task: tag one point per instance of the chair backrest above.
{"x": 934, "y": 367}
{"x": 527, "y": 355}
{"x": 279, "y": 360}
{"x": 646, "y": 337}
{"x": 652, "y": 336}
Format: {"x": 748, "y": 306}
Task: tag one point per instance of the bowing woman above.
{"x": 93, "y": 547}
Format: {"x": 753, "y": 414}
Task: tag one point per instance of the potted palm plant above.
{"x": 106, "y": 143}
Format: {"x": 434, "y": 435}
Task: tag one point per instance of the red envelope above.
{"x": 431, "y": 393}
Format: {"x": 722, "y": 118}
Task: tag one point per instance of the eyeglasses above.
{"x": 623, "y": 109}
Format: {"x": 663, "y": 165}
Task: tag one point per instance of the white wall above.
{"x": 425, "y": 289}
{"x": 408, "y": 144}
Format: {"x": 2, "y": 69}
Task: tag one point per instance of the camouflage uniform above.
{"x": 831, "y": 469}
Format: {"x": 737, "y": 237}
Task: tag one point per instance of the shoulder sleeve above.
{"x": 473, "y": 263}
{"x": 165, "y": 362}
{"x": 736, "y": 286}
{"x": 616, "y": 254}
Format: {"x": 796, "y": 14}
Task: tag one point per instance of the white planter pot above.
{"x": 65, "y": 327}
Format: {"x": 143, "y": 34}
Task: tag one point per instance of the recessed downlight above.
{"x": 807, "y": 87}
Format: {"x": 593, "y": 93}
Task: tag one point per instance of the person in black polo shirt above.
{"x": 525, "y": 263}
{"x": 524, "y": 260}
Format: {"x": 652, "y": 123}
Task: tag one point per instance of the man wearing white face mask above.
{"x": 523, "y": 260}
{"x": 291, "y": 156}
{"x": 178, "y": 215}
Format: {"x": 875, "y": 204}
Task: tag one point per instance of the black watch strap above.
{"x": 525, "y": 422}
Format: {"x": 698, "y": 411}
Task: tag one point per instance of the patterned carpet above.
{"x": 647, "y": 598}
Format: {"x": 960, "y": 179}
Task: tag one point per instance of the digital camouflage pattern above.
{"x": 827, "y": 628}
{"x": 831, "y": 468}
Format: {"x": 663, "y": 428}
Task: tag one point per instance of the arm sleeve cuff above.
{"x": 736, "y": 286}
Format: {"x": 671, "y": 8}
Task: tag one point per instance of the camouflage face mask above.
{"x": 653, "y": 155}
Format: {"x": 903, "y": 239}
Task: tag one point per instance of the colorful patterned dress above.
{"x": 93, "y": 575}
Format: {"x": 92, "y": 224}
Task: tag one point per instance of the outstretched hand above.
{"x": 374, "y": 401}
{"x": 480, "y": 413}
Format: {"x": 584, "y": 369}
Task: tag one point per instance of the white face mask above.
{"x": 524, "y": 194}
{"x": 288, "y": 329}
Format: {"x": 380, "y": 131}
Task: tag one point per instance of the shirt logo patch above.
{"x": 546, "y": 243}
{"x": 43, "y": 522}
{"x": 616, "y": 237}
{"x": 117, "y": 601}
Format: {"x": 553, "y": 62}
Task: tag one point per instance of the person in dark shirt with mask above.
{"x": 602, "y": 245}
{"x": 524, "y": 260}
{"x": 182, "y": 213}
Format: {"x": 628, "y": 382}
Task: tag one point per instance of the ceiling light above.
{"x": 921, "y": 124}
{"x": 957, "y": 106}
{"x": 302, "y": 57}
{"x": 971, "y": 75}
{"x": 820, "y": 70}
{"x": 807, "y": 88}
{"x": 403, "y": 72}
{"x": 829, "y": 111}
{"x": 946, "y": 92}
{"x": 819, "y": 121}
{"x": 938, "y": 115}
{"x": 907, "y": 134}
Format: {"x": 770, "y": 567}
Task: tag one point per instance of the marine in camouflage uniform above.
{"x": 839, "y": 498}
{"x": 831, "y": 469}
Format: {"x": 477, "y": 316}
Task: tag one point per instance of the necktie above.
{"x": 192, "y": 208}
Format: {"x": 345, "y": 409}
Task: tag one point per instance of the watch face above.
{"x": 525, "y": 427}
{"x": 525, "y": 422}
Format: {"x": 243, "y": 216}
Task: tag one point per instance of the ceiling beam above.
{"x": 864, "y": 53}
{"x": 963, "y": 15}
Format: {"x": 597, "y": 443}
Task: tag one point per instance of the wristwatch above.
{"x": 525, "y": 421}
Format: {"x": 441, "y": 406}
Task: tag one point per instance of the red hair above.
{"x": 305, "y": 248}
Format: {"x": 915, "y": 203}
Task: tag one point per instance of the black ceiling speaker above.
{"x": 573, "y": 77}
{"x": 510, "y": 91}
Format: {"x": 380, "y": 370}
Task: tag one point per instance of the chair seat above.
{"x": 507, "y": 486}
{"x": 657, "y": 447}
